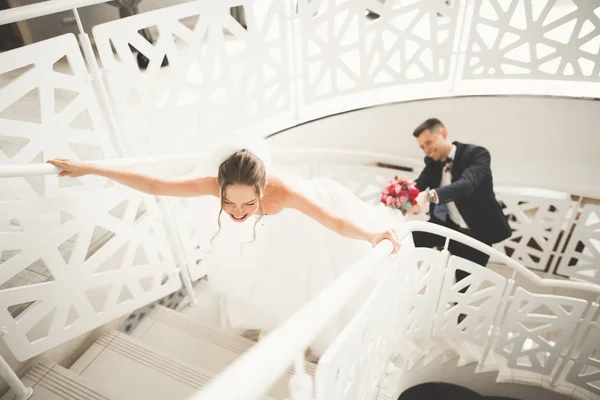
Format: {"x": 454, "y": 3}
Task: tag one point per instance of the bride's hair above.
{"x": 245, "y": 168}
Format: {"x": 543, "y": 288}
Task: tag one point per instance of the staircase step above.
{"x": 493, "y": 363}
{"x": 135, "y": 370}
{"x": 200, "y": 344}
{"x": 50, "y": 381}
{"x": 208, "y": 309}
{"x": 190, "y": 341}
{"x": 469, "y": 354}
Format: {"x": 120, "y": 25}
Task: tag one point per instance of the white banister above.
{"x": 577, "y": 340}
{"x": 291, "y": 337}
{"x": 301, "y": 384}
{"x": 280, "y": 348}
{"x": 347, "y": 155}
{"x": 509, "y": 262}
{"x": 11, "y": 171}
{"x": 98, "y": 83}
{"x": 44, "y": 8}
{"x": 177, "y": 246}
{"x": 21, "y": 392}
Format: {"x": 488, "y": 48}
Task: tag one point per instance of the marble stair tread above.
{"x": 200, "y": 344}
{"x": 50, "y": 381}
{"x": 134, "y": 370}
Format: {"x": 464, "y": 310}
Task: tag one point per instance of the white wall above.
{"x": 534, "y": 141}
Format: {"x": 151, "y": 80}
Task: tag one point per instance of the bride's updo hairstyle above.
{"x": 244, "y": 168}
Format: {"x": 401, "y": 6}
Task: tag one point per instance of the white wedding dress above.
{"x": 265, "y": 281}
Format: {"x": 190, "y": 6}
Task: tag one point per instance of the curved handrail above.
{"x": 314, "y": 157}
{"x": 12, "y": 171}
{"x": 281, "y": 347}
{"x": 44, "y": 8}
{"x": 292, "y": 337}
{"x": 510, "y": 263}
{"x": 531, "y": 191}
{"x": 368, "y": 155}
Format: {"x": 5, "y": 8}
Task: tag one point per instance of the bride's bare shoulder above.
{"x": 276, "y": 185}
{"x": 281, "y": 190}
{"x": 279, "y": 183}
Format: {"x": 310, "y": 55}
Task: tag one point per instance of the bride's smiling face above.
{"x": 242, "y": 179}
{"x": 240, "y": 201}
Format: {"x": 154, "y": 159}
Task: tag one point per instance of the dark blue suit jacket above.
{"x": 472, "y": 190}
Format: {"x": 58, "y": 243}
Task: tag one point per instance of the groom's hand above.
{"x": 421, "y": 200}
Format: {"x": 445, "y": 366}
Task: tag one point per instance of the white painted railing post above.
{"x": 21, "y": 391}
{"x": 98, "y": 83}
{"x": 121, "y": 149}
{"x": 493, "y": 330}
{"x": 579, "y": 337}
{"x": 301, "y": 384}
{"x": 177, "y": 246}
{"x": 294, "y": 26}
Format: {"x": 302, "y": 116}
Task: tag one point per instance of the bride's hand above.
{"x": 72, "y": 168}
{"x": 389, "y": 235}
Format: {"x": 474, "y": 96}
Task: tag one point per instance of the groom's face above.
{"x": 433, "y": 143}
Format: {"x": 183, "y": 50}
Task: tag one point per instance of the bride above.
{"x": 285, "y": 238}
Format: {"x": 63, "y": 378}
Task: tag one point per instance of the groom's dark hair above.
{"x": 431, "y": 124}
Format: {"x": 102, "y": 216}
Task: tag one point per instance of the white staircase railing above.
{"x": 296, "y": 61}
{"x": 214, "y": 84}
{"x": 531, "y": 322}
{"x": 68, "y": 216}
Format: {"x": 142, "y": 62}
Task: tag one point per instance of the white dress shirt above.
{"x": 446, "y": 180}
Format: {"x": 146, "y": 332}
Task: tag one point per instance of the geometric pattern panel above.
{"x": 48, "y": 109}
{"x": 585, "y": 373}
{"x": 206, "y": 72}
{"x": 423, "y": 268}
{"x": 344, "y": 52}
{"x": 196, "y": 222}
{"x": 354, "y": 364}
{"x": 88, "y": 285}
{"x": 534, "y": 40}
{"x": 536, "y": 221}
{"x": 476, "y": 298}
{"x": 581, "y": 258}
{"x": 537, "y": 328}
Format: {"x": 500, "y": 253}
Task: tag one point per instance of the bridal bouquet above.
{"x": 400, "y": 194}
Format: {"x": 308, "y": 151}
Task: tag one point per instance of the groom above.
{"x": 457, "y": 184}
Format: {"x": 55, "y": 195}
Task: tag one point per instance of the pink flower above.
{"x": 413, "y": 192}
{"x": 384, "y": 197}
{"x": 398, "y": 192}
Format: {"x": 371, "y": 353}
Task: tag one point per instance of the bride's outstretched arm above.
{"x": 336, "y": 223}
{"x": 143, "y": 183}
